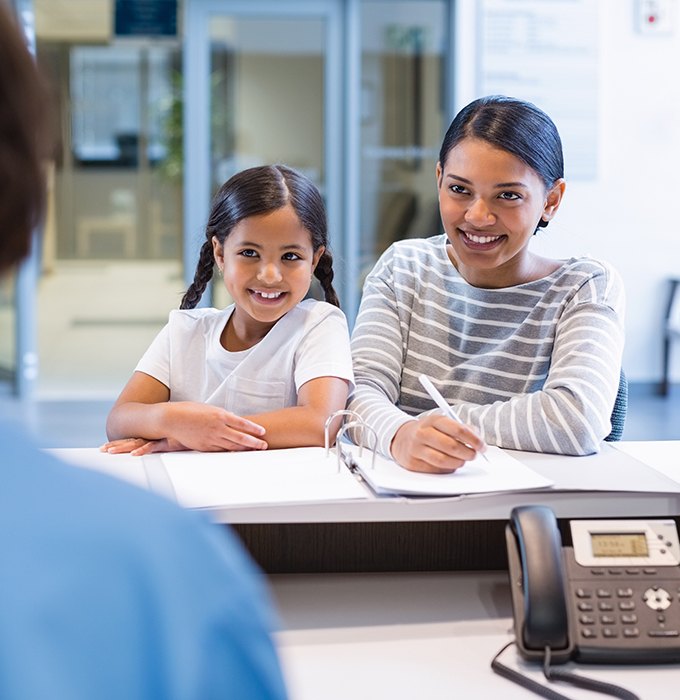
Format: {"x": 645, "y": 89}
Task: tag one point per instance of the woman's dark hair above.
{"x": 511, "y": 125}
{"x": 257, "y": 191}
{"x": 24, "y": 137}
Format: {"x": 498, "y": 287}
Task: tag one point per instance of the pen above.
{"x": 441, "y": 402}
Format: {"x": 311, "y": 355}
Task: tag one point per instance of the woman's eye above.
{"x": 511, "y": 196}
{"x": 458, "y": 189}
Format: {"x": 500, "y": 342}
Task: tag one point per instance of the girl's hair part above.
{"x": 512, "y": 125}
{"x": 257, "y": 191}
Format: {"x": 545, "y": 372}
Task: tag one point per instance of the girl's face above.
{"x": 490, "y": 203}
{"x": 267, "y": 263}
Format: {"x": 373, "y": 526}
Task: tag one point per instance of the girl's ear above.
{"x": 553, "y": 199}
{"x": 317, "y": 256}
{"x": 218, "y": 252}
{"x": 438, "y": 173}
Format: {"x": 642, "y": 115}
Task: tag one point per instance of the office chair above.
{"x": 671, "y": 332}
{"x": 618, "y": 418}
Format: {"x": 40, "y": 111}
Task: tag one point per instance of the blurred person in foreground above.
{"x": 106, "y": 591}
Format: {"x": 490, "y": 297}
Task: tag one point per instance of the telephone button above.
{"x": 627, "y": 605}
{"x": 584, "y": 593}
{"x": 597, "y": 572}
{"x": 624, "y": 592}
{"x": 605, "y": 607}
{"x": 610, "y": 632}
{"x": 631, "y": 632}
{"x": 588, "y": 633}
{"x": 649, "y": 572}
{"x": 664, "y": 633}
{"x": 633, "y": 572}
{"x": 657, "y": 598}
{"x": 585, "y": 607}
{"x": 629, "y": 619}
{"x": 587, "y": 620}
{"x": 604, "y": 593}
{"x": 607, "y": 620}
{"x": 614, "y": 572}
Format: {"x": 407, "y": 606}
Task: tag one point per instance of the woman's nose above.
{"x": 269, "y": 273}
{"x": 479, "y": 213}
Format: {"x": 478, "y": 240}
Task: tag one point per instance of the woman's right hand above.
{"x": 435, "y": 444}
{"x": 206, "y": 428}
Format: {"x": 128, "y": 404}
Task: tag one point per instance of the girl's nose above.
{"x": 478, "y": 213}
{"x": 269, "y": 273}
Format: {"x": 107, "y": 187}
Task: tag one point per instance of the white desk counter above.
{"x": 424, "y": 534}
{"x": 639, "y": 474}
{"x": 409, "y": 636}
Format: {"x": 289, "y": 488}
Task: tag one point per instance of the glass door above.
{"x": 403, "y": 115}
{"x": 265, "y": 90}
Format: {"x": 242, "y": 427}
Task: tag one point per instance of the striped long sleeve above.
{"x": 534, "y": 367}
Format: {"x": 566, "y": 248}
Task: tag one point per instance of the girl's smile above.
{"x": 267, "y": 262}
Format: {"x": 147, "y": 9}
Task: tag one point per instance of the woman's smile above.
{"x": 480, "y": 241}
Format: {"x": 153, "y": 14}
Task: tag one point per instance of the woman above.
{"x": 526, "y": 348}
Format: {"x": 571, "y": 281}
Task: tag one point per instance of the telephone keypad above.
{"x": 614, "y": 611}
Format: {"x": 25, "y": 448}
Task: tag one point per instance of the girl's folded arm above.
{"x": 143, "y": 410}
{"x": 303, "y": 425}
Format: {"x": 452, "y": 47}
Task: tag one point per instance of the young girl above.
{"x": 267, "y": 371}
{"x": 528, "y": 349}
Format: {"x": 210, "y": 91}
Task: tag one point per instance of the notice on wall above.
{"x": 546, "y": 51}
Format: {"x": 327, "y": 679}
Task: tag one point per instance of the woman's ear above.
{"x": 553, "y": 199}
{"x": 438, "y": 173}
{"x": 218, "y": 253}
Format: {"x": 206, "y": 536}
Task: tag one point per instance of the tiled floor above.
{"x": 81, "y": 423}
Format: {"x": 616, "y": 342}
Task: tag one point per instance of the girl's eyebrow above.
{"x": 497, "y": 185}
{"x": 289, "y": 246}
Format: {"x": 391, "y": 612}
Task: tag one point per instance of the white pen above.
{"x": 431, "y": 389}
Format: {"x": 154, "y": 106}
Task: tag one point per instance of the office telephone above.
{"x": 613, "y": 596}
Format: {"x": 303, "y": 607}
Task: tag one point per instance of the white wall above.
{"x": 630, "y": 215}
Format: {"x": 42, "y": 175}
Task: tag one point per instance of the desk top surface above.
{"x": 644, "y": 477}
{"x": 416, "y": 635}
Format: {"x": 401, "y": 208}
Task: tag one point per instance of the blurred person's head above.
{"x": 23, "y": 143}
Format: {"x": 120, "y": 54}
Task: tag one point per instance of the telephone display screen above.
{"x": 619, "y": 544}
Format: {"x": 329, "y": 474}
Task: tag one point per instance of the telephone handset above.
{"x": 611, "y": 597}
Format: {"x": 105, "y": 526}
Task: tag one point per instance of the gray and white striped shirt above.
{"x": 534, "y": 367}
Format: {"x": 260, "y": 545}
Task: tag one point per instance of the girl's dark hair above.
{"x": 258, "y": 191}
{"x": 24, "y": 142}
{"x": 511, "y": 125}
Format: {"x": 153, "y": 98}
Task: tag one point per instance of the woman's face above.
{"x": 491, "y": 203}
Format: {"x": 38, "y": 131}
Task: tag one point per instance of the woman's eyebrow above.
{"x": 497, "y": 185}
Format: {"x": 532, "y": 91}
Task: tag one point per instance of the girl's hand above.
{"x": 435, "y": 444}
{"x": 139, "y": 446}
{"x": 116, "y": 447}
{"x": 197, "y": 426}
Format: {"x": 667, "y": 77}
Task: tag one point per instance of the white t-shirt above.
{"x": 310, "y": 341}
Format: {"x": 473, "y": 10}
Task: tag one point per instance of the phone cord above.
{"x": 558, "y": 674}
{"x": 553, "y": 674}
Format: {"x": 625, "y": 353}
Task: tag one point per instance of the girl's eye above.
{"x": 248, "y": 253}
{"x": 291, "y": 256}
{"x": 510, "y": 196}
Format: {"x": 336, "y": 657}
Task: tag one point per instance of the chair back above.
{"x": 619, "y": 412}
